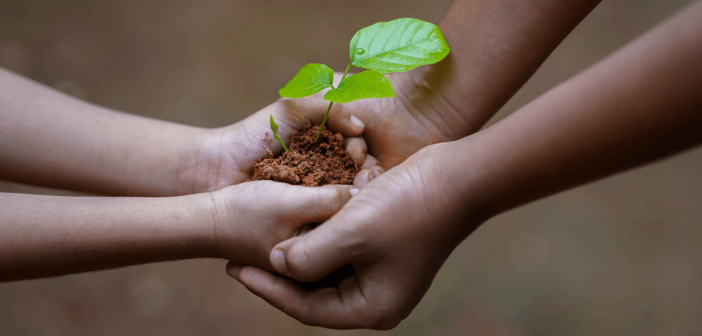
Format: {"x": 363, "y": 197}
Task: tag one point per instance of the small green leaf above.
{"x": 311, "y": 79}
{"x": 274, "y": 126}
{"x": 367, "y": 84}
{"x": 398, "y": 45}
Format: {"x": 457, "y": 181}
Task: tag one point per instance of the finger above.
{"x": 366, "y": 175}
{"x": 304, "y": 205}
{"x": 304, "y": 110}
{"x": 313, "y": 109}
{"x": 357, "y": 150}
{"x": 233, "y": 270}
{"x": 302, "y": 230}
{"x": 370, "y": 161}
{"x": 320, "y": 252}
{"x": 338, "y": 308}
{"x": 340, "y": 120}
{"x": 377, "y": 171}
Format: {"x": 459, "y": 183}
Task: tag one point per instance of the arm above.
{"x": 495, "y": 47}
{"x": 634, "y": 107}
{"x": 43, "y": 236}
{"x": 50, "y": 139}
{"x": 51, "y": 235}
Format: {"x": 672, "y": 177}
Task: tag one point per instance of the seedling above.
{"x": 274, "y": 127}
{"x": 395, "y": 46}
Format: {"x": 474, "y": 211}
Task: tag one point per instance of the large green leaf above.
{"x": 398, "y": 45}
{"x": 367, "y": 84}
{"x": 311, "y": 79}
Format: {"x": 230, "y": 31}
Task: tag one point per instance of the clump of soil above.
{"x": 308, "y": 163}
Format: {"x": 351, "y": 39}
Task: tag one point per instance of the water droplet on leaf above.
{"x": 360, "y": 51}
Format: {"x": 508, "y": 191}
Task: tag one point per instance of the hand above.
{"x": 396, "y": 233}
{"x": 250, "y": 218}
{"x": 227, "y": 154}
{"x": 416, "y": 117}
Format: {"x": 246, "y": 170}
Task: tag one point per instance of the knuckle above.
{"x": 337, "y": 197}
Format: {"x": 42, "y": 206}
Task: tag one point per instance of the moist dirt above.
{"x": 308, "y": 163}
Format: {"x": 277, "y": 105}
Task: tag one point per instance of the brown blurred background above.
{"x": 621, "y": 256}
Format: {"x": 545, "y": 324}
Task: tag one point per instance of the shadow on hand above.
{"x": 332, "y": 280}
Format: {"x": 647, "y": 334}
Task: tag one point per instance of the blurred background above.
{"x": 621, "y": 256}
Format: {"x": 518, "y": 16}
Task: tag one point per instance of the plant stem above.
{"x": 326, "y": 114}
{"x": 281, "y": 141}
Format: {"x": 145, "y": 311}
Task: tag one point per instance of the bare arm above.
{"x": 50, "y": 139}
{"x": 638, "y": 105}
{"x": 634, "y": 107}
{"x": 495, "y": 47}
{"x": 51, "y": 235}
{"x": 43, "y": 236}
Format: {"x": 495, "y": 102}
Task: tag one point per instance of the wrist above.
{"x": 199, "y": 162}
{"x": 460, "y": 170}
{"x": 446, "y": 187}
{"x": 481, "y": 175}
{"x": 201, "y": 222}
{"x": 423, "y": 90}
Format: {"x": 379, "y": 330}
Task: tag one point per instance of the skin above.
{"x": 495, "y": 47}
{"x": 636, "y": 106}
{"x": 42, "y": 236}
{"x": 53, "y": 140}
{"x": 50, "y": 139}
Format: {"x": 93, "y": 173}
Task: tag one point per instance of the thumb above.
{"x": 305, "y": 205}
{"x": 318, "y": 253}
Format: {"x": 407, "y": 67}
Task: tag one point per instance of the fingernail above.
{"x": 357, "y": 122}
{"x": 233, "y": 270}
{"x": 278, "y": 262}
{"x": 353, "y": 191}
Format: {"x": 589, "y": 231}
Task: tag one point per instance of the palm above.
{"x": 227, "y": 155}
{"x": 398, "y": 127}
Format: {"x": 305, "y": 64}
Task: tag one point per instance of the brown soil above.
{"x": 308, "y": 163}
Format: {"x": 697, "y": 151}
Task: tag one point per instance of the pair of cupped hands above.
{"x": 395, "y": 227}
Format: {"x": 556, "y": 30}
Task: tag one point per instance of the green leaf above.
{"x": 398, "y": 45}
{"x": 311, "y": 79}
{"x": 274, "y": 126}
{"x": 367, "y": 84}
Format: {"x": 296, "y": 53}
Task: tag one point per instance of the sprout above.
{"x": 274, "y": 127}
{"x": 395, "y": 46}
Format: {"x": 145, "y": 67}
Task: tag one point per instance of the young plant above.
{"x": 394, "y": 46}
{"x": 274, "y": 127}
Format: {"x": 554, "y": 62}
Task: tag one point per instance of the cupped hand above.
{"x": 250, "y": 218}
{"x": 396, "y": 233}
{"x": 416, "y": 117}
{"x": 227, "y": 154}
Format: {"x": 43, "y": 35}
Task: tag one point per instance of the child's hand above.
{"x": 250, "y": 218}
{"x": 227, "y": 155}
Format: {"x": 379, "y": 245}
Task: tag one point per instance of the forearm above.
{"x": 43, "y": 236}
{"x": 636, "y": 106}
{"x": 53, "y": 140}
{"x": 495, "y": 47}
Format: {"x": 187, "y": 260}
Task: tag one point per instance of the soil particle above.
{"x": 308, "y": 163}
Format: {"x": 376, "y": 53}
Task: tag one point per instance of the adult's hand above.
{"x": 396, "y": 232}
{"x": 630, "y": 109}
{"x": 495, "y": 47}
